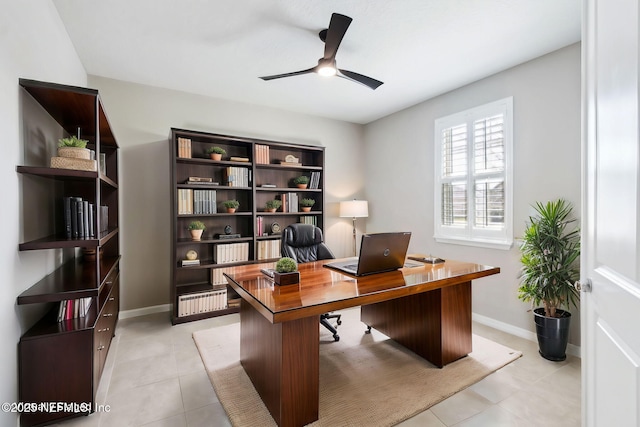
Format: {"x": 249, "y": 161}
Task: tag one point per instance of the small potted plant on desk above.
{"x": 307, "y": 204}
{"x": 301, "y": 181}
{"x": 231, "y": 205}
{"x": 286, "y": 272}
{"x": 216, "y": 153}
{"x": 272, "y": 205}
{"x": 549, "y": 257}
{"x": 196, "y": 228}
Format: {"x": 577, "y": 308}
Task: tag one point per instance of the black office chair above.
{"x": 304, "y": 243}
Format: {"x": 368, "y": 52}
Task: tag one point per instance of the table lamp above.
{"x": 354, "y": 209}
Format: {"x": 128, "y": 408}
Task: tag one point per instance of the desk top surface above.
{"x": 322, "y": 289}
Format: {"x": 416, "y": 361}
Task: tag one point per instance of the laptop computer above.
{"x": 379, "y": 252}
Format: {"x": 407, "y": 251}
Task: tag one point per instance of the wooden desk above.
{"x": 427, "y": 309}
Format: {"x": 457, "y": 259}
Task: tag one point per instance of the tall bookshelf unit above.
{"x": 62, "y": 361}
{"x": 258, "y": 173}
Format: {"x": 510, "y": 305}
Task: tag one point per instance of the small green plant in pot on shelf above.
{"x": 231, "y": 205}
{"x": 216, "y": 153}
{"x": 72, "y": 141}
{"x": 307, "y": 204}
{"x": 73, "y": 147}
{"x": 301, "y": 181}
{"x": 196, "y": 228}
{"x": 286, "y": 272}
{"x": 550, "y": 255}
{"x": 272, "y": 205}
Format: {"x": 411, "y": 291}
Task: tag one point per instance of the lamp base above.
{"x": 355, "y": 251}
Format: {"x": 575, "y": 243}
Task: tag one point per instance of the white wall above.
{"x": 141, "y": 117}
{"x": 400, "y": 181}
{"x": 34, "y": 45}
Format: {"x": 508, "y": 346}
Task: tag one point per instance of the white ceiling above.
{"x": 219, "y": 48}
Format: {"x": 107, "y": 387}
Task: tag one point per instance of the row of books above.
{"x": 289, "y": 202}
{"x": 217, "y": 275}
{"x": 202, "y": 302}
{"x": 262, "y": 154}
{"x": 309, "y": 219}
{"x": 81, "y": 218}
{"x": 196, "y": 201}
{"x": 232, "y": 252}
{"x": 314, "y": 180}
{"x": 260, "y": 230}
{"x": 269, "y": 249}
{"x": 73, "y": 308}
{"x": 235, "y": 176}
{"x": 184, "y": 148}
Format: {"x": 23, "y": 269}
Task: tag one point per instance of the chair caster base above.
{"x": 368, "y": 331}
{"x": 336, "y": 337}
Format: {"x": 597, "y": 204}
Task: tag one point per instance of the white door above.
{"x": 611, "y": 215}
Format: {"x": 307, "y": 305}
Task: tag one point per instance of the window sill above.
{"x": 504, "y": 245}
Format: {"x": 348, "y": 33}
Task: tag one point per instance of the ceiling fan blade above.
{"x": 359, "y": 78}
{"x": 295, "y": 73}
{"x": 337, "y": 28}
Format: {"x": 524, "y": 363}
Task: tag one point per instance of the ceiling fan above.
{"x": 332, "y": 37}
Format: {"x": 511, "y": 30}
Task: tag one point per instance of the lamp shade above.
{"x": 354, "y": 209}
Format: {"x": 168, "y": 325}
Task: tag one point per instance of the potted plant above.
{"x": 231, "y": 205}
{"x": 196, "y": 228}
{"x": 272, "y": 205}
{"x": 307, "y": 204}
{"x": 73, "y": 147}
{"x": 550, "y": 266}
{"x": 301, "y": 181}
{"x": 216, "y": 153}
{"x": 286, "y": 272}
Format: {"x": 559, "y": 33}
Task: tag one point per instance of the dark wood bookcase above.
{"x": 62, "y": 361}
{"x": 266, "y": 178}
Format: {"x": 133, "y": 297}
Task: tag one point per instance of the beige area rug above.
{"x": 365, "y": 379}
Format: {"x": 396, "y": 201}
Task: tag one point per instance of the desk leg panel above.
{"x": 457, "y": 339}
{"x": 282, "y": 361}
{"x": 436, "y": 325}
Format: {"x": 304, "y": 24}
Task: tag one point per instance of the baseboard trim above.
{"x": 126, "y": 314}
{"x": 572, "y": 349}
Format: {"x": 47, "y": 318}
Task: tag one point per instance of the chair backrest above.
{"x": 304, "y": 243}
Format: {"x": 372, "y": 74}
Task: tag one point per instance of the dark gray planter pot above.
{"x": 553, "y": 334}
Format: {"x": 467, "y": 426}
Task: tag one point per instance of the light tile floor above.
{"x": 154, "y": 377}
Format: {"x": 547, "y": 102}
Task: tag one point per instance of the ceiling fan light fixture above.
{"x": 326, "y": 67}
{"x": 327, "y": 71}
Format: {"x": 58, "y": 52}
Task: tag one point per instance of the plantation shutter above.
{"x": 489, "y": 166}
{"x": 454, "y": 177}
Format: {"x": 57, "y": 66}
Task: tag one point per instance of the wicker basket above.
{"x": 71, "y": 163}
{"x": 74, "y": 152}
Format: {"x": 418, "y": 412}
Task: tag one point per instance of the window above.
{"x": 473, "y": 201}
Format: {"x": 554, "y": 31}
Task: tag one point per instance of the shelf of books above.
{"x": 257, "y": 175}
